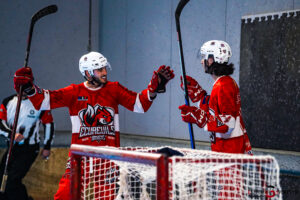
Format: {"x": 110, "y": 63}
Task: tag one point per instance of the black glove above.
{"x": 165, "y": 74}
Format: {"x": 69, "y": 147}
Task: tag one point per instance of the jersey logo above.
{"x": 219, "y": 123}
{"x": 82, "y": 98}
{"x": 96, "y": 116}
{"x": 97, "y": 122}
{"x": 31, "y": 114}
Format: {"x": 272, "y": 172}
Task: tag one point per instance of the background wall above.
{"x": 136, "y": 36}
{"x": 59, "y": 40}
{"x": 141, "y": 35}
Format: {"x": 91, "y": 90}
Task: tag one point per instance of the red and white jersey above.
{"x": 225, "y": 118}
{"x": 94, "y": 112}
{"x": 28, "y": 123}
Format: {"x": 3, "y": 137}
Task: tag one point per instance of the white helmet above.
{"x": 91, "y": 61}
{"x": 220, "y": 51}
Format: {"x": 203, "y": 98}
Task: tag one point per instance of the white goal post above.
{"x": 134, "y": 173}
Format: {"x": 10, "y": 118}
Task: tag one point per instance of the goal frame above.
{"x": 158, "y": 160}
{"x": 264, "y": 187}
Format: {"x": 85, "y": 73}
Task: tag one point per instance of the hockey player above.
{"x": 26, "y": 146}
{"x": 93, "y": 104}
{"x": 219, "y": 113}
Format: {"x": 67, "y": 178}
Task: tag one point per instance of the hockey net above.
{"x": 132, "y": 173}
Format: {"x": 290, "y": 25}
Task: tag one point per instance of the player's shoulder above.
{"x": 74, "y": 86}
{"x": 227, "y": 83}
{"x": 115, "y": 87}
{"x": 225, "y": 80}
{"x": 112, "y": 84}
{"x": 8, "y": 99}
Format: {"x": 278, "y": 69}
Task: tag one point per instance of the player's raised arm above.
{"x": 141, "y": 102}
{"x": 40, "y": 98}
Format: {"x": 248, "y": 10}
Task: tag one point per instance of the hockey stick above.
{"x": 178, "y": 11}
{"x": 38, "y": 15}
{"x": 89, "y": 47}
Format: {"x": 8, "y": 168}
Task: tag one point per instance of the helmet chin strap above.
{"x": 94, "y": 81}
{"x": 207, "y": 68}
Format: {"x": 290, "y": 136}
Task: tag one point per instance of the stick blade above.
{"x": 3, "y": 184}
{"x": 43, "y": 12}
{"x": 180, "y": 7}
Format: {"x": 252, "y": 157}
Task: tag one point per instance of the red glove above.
{"x": 23, "y": 77}
{"x": 195, "y": 91}
{"x": 194, "y": 115}
{"x": 160, "y": 78}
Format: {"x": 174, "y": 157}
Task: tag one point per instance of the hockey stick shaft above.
{"x": 178, "y": 11}
{"x": 41, "y": 13}
{"x": 89, "y": 47}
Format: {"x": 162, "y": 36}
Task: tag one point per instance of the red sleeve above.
{"x": 144, "y": 99}
{"x": 46, "y": 100}
{"x": 3, "y": 112}
{"x": 47, "y": 117}
{"x": 136, "y": 102}
{"x": 62, "y": 97}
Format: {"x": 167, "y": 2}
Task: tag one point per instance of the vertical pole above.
{"x": 162, "y": 185}
{"x": 75, "y": 177}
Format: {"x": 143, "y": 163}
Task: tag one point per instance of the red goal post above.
{"x": 106, "y": 173}
{"x": 159, "y": 160}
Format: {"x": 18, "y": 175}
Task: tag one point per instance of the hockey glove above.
{"x": 194, "y": 115}
{"x": 24, "y": 77}
{"x": 165, "y": 74}
{"x": 195, "y": 91}
{"x": 152, "y": 86}
{"x": 160, "y": 78}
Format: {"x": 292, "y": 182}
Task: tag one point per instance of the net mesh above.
{"x": 197, "y": 174}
